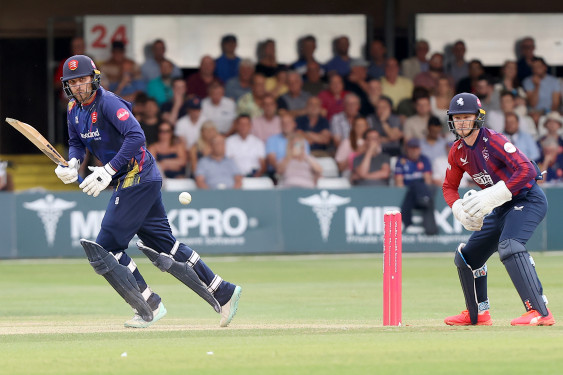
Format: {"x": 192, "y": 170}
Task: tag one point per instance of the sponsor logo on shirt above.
{"x": 483, "y": 178}
{"x": 463, "y": 161}
{"x": 93, "y": 134}
{"x": 94, "y": 117}
{"x": 122, "y": 114}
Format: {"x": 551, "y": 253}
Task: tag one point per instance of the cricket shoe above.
{"x": 463, "y": 319}
{"x": 138, "y": 322}
{"x": 229, "y": 309}
{"x": 534, "y": 318}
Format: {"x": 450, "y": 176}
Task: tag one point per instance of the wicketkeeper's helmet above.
{"x": 462, "y": 104}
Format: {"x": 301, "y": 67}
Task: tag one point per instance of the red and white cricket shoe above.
{"x": 534, "y": 318}
{"x": 463, "y": 319}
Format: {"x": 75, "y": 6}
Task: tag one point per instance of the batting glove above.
{"x": 68, "y": 174}
{"x": 469, "y": 222}
{"x": 483, "y": 202}
{"x": 98, "y": 180}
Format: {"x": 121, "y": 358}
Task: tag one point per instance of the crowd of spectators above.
{"x": 234, "y": 118}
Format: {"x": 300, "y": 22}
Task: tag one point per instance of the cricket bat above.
{"x": 39, "y": 141}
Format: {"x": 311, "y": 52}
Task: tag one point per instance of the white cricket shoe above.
{"x": 138, "y": 322}
{"x": 229, "y": 309}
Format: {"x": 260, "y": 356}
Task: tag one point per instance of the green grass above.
{"x": 297, "y": 315}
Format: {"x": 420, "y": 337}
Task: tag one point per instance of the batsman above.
{"x": 103, "y": 123}
{"x": 503, "y": 215}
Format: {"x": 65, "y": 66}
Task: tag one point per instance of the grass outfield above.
{"x": 297, "y": 315}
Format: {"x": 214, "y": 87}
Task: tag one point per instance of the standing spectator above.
{"x": 297, "y": 168}
{"x": 332, "y": 99}
{"x": 248, "y": 152}
{"x": 376, "y": 68}
{"x": 169, "y": 152}
{"x": 458, "y": 68}
{"x": 440, "y": 100}
{"x": 267, "y": 61}
{"x": 313, "y": 79}
{"x": 544, "y": 90}
{"x": 522, "y": 140}
{"x": 151, "y": 67}
{"x": 314, "y": 127}
{"x": 340, "y": 63}
{"x": 306, "y": 46}
{"x": 415, "y": 172}
{"x": 295, "y": 100}
{"x": 468, "y": 83}
{"x": 269, "y": 123}
{"x": 526, "y": 56}
{"x": 227, "y": 65}
{"x": 217, "y": 171}
{"x": 351, "y": 147}
{"x": 130, "y": 83}
{"x": 160, "y": 88}
{"x": 198, "y": 83}
{"x": 188, "y": 127}
{"x": 395, "y": 86}
{"x": 219, "y": 109}
{"x": 429, "y": 79}
{"x": 388, "y": 126}
{"x": 150, "y": 121}
{"x": 251, "y": 102}
{"x": 112, "y": 68}
{"x": 416, "y": 126}
{"x": 371, "y": 167}
{"x": 508, "y": 105}
{"x": 418, "y": 63}
{"x": 203, "y": 145}
{"x": 341, "y": 123}
{"x": 241, "y": 84}
{"x": 173, "y": 109}
{"x": 276, "y": 145}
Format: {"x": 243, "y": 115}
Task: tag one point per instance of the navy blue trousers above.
{"x": 138, "y": 209}
{"x": 516, "y": 219}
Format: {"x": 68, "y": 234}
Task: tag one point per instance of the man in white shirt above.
{"x": 188, "y": 127}
{"x": 247, "y": 150}
{"x": 218, "y": 108}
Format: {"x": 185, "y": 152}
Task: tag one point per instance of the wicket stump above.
{"x": 392, "y": 269}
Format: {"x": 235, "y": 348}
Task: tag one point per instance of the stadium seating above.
{"x": 257, "y": 183}
{"x": 330, "y": 168}
{"x": 179, "y": 184}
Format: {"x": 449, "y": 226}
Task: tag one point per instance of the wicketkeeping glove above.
{"x": 68, "y": 174}
{"x": 98, "y": 180}
{"x": 483, "y": 202}
{"x": 470, "y": 223}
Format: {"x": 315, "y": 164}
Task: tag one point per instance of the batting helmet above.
{"x": 79, "y": 66}
{"x": 465, "y": 103}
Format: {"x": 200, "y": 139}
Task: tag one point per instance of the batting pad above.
{"x": 182, "y": 271}
{"x": 118, "y": 276}
{"x": 467, "y": 280}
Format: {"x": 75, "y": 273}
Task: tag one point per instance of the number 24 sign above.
{"x": 101, "y": 31}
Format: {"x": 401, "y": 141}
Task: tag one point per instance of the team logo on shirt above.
{"x": 486, "y": 154}
{"x": 122, "y": 114}
{"x": 509, "y": 147}
{"x": 73, "y": 64}
{"x": 94, "y": 117}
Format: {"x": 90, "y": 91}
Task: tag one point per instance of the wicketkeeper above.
{"x": 503, "y": 215}
{"x": 103, "y": 122}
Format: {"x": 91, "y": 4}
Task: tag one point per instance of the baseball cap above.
{"x": 194, "y": 103}
{"x": 414, "y": 142}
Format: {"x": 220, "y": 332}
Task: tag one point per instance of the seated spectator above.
{"x": 388, "y": 125}
{"x": 198, "y": 82}
{"x": 315, "y": 128}
{"x": 276, "y": 145}
{"x": 484, "y": 90}
{"x": 241, "y": 84}
{"x": 269, "y": 123}
{"x": 509, "y": 82}
{"x": 297, "y": 168}
{"x": 394, "y": 86}
{"x": 306, "y": 47}
{"x": 251, "y": 102}
{"x": 341, "y": 123}
{"x": 248, "y": 152}
{"x": 552, "y": 125}
{"x": 203, "y": 145}
{"x": 467, "y": 84}
{"x": 356, "y": 83}
{"x": 340, "y": 63}
{"x": 429, "y": 79}
{"x": 371, "y": 167}
{"x": 6, "y": 181}
{"x": 522, "y": 140}
{"x": 151, "y": 67}
{"x": 277, "y": 84}
{"x": 139, "y": 105}
{"x": 376, "y": 68}
{"x": 175, "y": 108}
{"x": 227, "y": 65}
{"x": 160, "y": 88}
{"x": 415, "y": 172}
{"x": 375, "y": 91}
{"x": 551, "y": 161}
{"x": 295, "y": 100}
{"x": 219, "y": 109}
{"x": 458, "y": 68}
{"x": 435, "y": 147}
{"x": 407, "y": 107}
{"x": 495, "y": 119}
{"x": 544, "y": 90}
{"x": 418, "y": 63}
{"x": 267, "y": 62}
{"x": 130, "y": 83}
{"x": 169, "y": 152}
{"x": 150, "y": 121}
{"x": 189, "y": 126}
{"x": 416, "y": 126}
{"x": 351, "y": 147}
{"x": 440, "y": 100}
{"x": 332, "y": 99}
{"x": 314, "y": 79}
{"x": 217, "y": 171}
{"x": 111, "y": 68}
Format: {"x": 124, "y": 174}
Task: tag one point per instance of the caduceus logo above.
{"x": 49, "y": 210}
{"x": 324, "y": 206}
